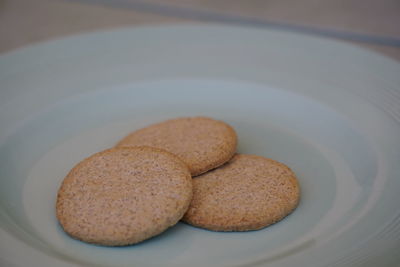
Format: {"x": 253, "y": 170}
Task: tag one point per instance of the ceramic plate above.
{"x": 329, "y": 110}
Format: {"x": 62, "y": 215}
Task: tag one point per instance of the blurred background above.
{"x": 374, "y": 24}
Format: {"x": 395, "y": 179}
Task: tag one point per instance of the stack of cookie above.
{"x": 181, "y": 169}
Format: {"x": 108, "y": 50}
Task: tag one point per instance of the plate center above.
{"x": 270, "y": 122}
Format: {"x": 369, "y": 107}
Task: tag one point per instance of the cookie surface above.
{"x": 202, "y": 143}
{"x": 122, "y": 196}
{"x": 247, "y": 193}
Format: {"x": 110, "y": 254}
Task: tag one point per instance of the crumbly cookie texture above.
{"x": 247, "y": 193}
{"x": 202, "y": 143}
{"x": 123, "y": 196}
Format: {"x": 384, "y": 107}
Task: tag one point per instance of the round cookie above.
{"x": 122, "y": 196}
{"x": 247, "y": 193}
{"x": 202, "y": 143}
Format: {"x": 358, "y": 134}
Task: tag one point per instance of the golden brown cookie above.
{"x": 247, "y": 193}
{"x": 122, "y": 196}
{"x": 202, "y": 143}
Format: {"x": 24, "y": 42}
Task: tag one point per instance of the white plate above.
{"x": 329, "y": 110}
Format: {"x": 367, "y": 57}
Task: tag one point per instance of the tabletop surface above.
{"x": 369, "y": 23}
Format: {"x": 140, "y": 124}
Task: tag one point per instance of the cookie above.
{"x": 122, "y": 196}
{"x": 247, "y": 193}
{"x": 202, "y": 143}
